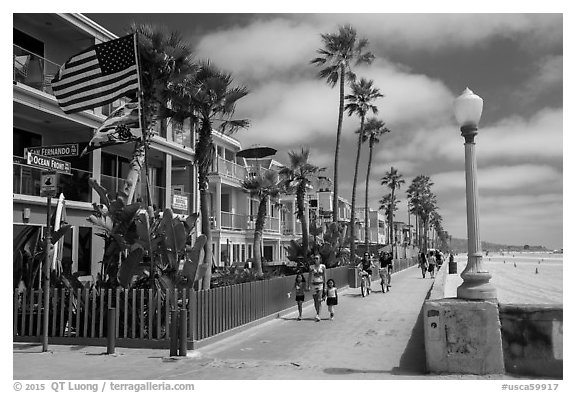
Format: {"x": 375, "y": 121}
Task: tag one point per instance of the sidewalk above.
{"x": 377, "y": 337}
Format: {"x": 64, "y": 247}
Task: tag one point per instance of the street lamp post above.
{"x": 476, "y": 279}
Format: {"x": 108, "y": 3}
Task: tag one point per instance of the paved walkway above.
{"x": 377, "y": 337}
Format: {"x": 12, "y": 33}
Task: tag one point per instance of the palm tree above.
{"x": 340, "y": 51}
{"x": 265, "y": 187}
{"x": 297, "y": 178}
{"x": 418, "y": 193}
{"x": 165, "y": 61}
{"x": 211, "y": 96}
{"x": 372, "y": 131}
{"x": 389, "y": 205}
{"x": 359, "y": 103}
{"x": 393, "y": 180}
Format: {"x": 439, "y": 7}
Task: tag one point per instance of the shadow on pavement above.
{"x": 413, "y": 360}
{"x": 18, "y": 346}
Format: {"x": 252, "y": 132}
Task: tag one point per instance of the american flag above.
{"x": 98, "y": 75}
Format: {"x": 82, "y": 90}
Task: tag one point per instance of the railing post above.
{"x": 183, "y": 323}
{"x": 111, "y": 336}
{"x": 173, "y": 332}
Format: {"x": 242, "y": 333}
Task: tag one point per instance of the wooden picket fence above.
{"x": 143, "y": 316}
{"x": 79, "y": 317}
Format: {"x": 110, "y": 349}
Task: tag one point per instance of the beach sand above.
{"x": 521, "y": 284}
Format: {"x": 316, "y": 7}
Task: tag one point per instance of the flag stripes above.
{"x": 97, "y": 76}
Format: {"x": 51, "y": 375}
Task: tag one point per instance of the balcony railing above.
{"x": 233, "y": 221}
{"x": 157, "y": 194}
{"x": 26, "y": 181}
{"x": 33, "y": 70}
{"x": 230, "y": 169}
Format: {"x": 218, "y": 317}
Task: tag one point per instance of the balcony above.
{"x": 229, "y": 169}
{"x": 180, "y": 204}
{"x": 33, "y": 70}
{"x": 232, "y": 221}
{"x": 287, "y": 228}
{"x": 26, "y": 181}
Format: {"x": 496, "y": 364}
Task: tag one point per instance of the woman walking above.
{"x": 423, "y": 263}
{"x": 317, "y": 278}
{"x": 432, "y": 264}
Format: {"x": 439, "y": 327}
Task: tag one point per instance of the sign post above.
{"x": 48, "y": 188}
{"x": 46, "y": 291}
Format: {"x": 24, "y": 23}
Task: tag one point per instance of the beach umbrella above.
{"x": 256, "y": 152}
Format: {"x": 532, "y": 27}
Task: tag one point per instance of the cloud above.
{"x": 268, "y": 46}
{"x": 511, "y": 219}
{"x": 499, "y": 177}
{"x": 409, "y": 98}
{"x": 432, "y": 32}
{"x": 292, "y": 112}
{"x": 547, "y": 76}
{"x": 263, "y": 48}
{"x": 510, "y": 139}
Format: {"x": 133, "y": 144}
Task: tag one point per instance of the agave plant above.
{"x": 146, "y": 243}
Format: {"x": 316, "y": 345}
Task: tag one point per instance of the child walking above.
{"x": 331, "y": 297}
{"x": 299, "y": 287}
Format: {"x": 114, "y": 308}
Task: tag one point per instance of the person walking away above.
{"x": 317, "y": 277}
{"x": 299, "y": 288}
{"x": 423, "y": 263}
{"x": 432, "y": 264}
{"x": 386, "y": 265}
{"x": 439, "y": 259}
{"x": 331, "y": 297}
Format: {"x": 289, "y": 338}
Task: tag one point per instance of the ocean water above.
{"x": 524, "y": 278}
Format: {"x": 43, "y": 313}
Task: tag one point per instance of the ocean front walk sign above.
{"x": 64, "y": 150}
{"x": 48, "y": 163}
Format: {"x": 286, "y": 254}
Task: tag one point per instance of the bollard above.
{"x": 183, "y": 323}
{"x": 173, "y": 332}
{"x": 111, "y": 334}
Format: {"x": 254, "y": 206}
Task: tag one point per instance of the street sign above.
{"x": 48, "y": 163}
{"x": 48, "y": 183}
{"x": 64, "y": 150}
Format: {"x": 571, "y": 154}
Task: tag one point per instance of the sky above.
{"x": 422, "y": 62}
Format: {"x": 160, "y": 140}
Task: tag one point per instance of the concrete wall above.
{"x": 532, "y": 337}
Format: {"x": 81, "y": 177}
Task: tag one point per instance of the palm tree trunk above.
{"x": 204, "y": 156}
{"x": 352, "y": 218}
{"x": 392, "y": 221}
{"x": 136, "y": 165}
{"x": 207, "y": 268}
{"x": 259, "y": 227}
{"x": 337, "y": 152}
{"x": 366, "y": 215}
{"x": 300, "y": 193}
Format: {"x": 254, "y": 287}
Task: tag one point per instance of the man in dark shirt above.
{"x": 386, "y": 262}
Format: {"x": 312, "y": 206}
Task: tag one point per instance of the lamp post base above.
{"x": 476, "y": 286}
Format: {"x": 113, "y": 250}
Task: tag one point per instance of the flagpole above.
{"x": 144, "y": 129}
{"x": 142, "y": 121}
